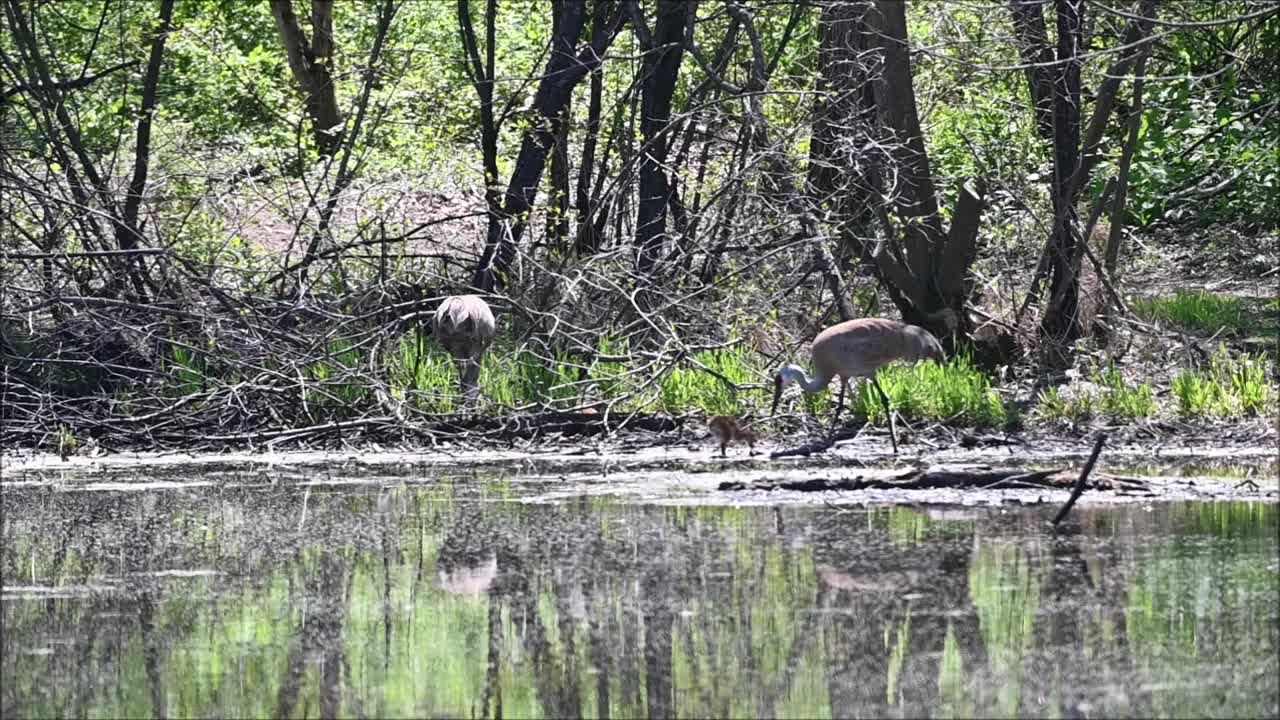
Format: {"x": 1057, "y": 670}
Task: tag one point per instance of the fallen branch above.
{"x": 1080, "y": 481}
{"x": 818, "y": 445}
{"x": 979, "y": 477}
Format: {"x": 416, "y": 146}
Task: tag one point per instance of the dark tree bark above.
{"x": 309, "y": 61}
{"x": 346, "y": 172}
{"x": 1037, "y": 54}
{"x": 127, "y": 232}
{"x": 663, "y": 52}
{"x": 1074, "y": 161}
{"x": 481, "y": 74}
{"x": 585, "y": 241}
{"x": 869, "y": 129}
{"x": 558, "y": 202}
{"x": 567, "y": 65}
{"x": 1060, "y": 319}
{"x": 844, "y": 110}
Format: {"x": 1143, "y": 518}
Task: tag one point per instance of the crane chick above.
{"x": 726, "y": 429}
{"x": 464, "y": 326}
{"x": 858, "y": 348}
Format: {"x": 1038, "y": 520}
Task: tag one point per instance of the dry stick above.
{"x": 1084, "y": 475}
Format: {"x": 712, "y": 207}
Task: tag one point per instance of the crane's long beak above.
{"x": 777, "y": 394}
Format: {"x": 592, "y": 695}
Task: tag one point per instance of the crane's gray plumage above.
{"x": 464, "y": 326}
{"x": 858, "y": 348}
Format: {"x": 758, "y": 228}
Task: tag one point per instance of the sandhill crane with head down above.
{"x": 464, "y": 326}
{"x": 858, "y": 348}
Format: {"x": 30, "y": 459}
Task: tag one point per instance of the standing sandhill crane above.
{"x": 464, "y": 325}
{"x": 857, "y": 348}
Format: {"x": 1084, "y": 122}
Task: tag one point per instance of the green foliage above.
{"x": 527, "y": 378}
{"x": 1054, "y": 405}
{"x": 1226, "y": 388}
{"x": 422, "y": 373}
{"x": 612, "y": 379}
{"x": 1121, "y": 399}
{"x": 709, "y": 382}
{"x": 955, "y": 392}
{"x": 334, "y": 384}
{"x": 1194, "y": 310}
{"x": 1188, "y": 130}
{"x": 185, "y": 369}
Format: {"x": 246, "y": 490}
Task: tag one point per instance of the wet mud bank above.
{"x": 688, "y": 470}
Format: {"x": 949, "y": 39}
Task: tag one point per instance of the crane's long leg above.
{"x": 884, "y": 399}
{"x": 839, "y": 405}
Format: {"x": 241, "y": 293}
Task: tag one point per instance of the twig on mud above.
{"x": 1019, "y": 480}
{"x": 302, "y": 517}
{"x": 1084, "y": 475}
{"x": 839, "y": 510}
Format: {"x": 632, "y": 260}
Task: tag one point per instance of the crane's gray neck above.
{"x": 796, "y": 374}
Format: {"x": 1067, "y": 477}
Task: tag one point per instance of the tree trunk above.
{"x": 663, "y": 52}
{"x": 558, "y": 203}
{"x": 584, "y": 241}
{"x": 127, "y": 232}
{"x": 564, "y": 69}
{"x": 1060, "y": 320}
{"x": 923, "y": 268}
{"x": 309, "y": 60}
{"x": 481, "y": 74}
{"x": 1122, "y": 175}
{"x": 1036, "y": 53}
{"x": 1074, "y": 161}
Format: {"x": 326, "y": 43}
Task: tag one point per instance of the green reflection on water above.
{"x": 432, "y": 600}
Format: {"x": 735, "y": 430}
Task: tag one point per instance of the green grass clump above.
{"x": 1077, "y": 408}
{"x": 689, "y": 385}
{"x": 336, "y": 385}
{"x": 186, "y": 372}
{"x": 954, "y": 391}
{"x": 1121, "y": 399}
{"x": 612, "y": 380}
{"x": 1198, "y": 311}
{"x": 1226, "y": 388}
{"x": 423, "y": 374}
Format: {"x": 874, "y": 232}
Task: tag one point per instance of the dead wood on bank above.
{"x": 978, "y": 477}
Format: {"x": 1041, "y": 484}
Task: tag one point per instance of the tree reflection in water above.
{"x": 433, "y": 601}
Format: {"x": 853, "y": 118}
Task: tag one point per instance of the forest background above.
{"x": 226, "y": 222}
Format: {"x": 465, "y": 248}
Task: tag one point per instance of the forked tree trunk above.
{"x": 663, "y": 52}
{"x": 481, "y": 73}
{"x": 310, "y": 61}
{"x": 567, "y": 65}
{"x": 871, "y": 112}
{"x": 1061, "y": 321}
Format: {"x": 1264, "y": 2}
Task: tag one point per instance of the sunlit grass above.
{"x": 954, "y": 391}
{"x": 1226, "y": 388}
{"x": 1122, "y": 399}
{"x": 422, "y": 373}
{"x": 334, "y": 383}
{"x": 1198, "y": 311}
{"x": 1053, "y": 404}
{"x": 709, "y": 382}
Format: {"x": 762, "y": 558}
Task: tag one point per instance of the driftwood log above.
{"x": 979, "y": 477}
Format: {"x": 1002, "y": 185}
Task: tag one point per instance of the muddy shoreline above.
{"x": 684, "y": 468}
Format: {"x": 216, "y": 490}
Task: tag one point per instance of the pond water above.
{"x": 457, "y": 599}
